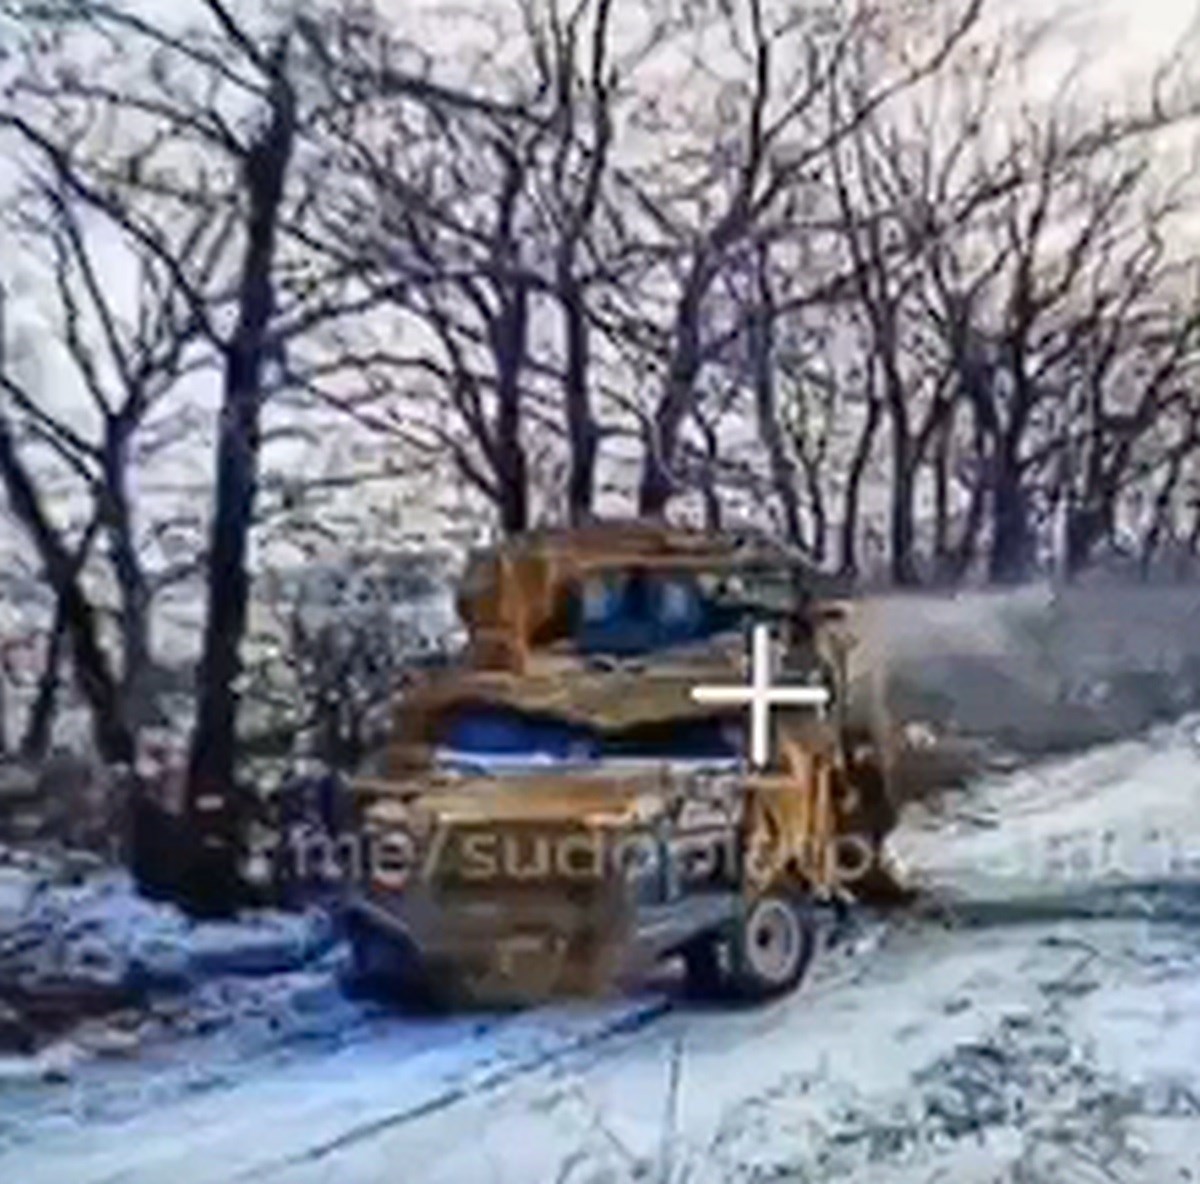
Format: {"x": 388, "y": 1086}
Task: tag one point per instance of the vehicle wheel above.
{"x": 772, "y": 946}
{"x": 385, "y": 968}
{"x": 704, "y": 969}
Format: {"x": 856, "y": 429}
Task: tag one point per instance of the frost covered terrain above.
{"x": 1037, "y": 1020}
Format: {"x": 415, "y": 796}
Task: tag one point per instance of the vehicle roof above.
{"x": 613, "y": 544}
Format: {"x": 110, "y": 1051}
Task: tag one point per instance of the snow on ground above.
{"x": 953, "y": 1058}
{"x": 97, "y": 907}
{"x": 1039, "y": 1022}
{"x": 88, "y": 969}
{"x": 1116, "y": 817}
{"x": 102, "y": 928}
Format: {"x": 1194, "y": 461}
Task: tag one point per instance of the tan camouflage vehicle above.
{"x": 562, "y": 809}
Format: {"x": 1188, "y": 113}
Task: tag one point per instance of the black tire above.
{"x": 705, "y": 974}
{"x": 771, "y": 947}
{"x": 386, "y": 968}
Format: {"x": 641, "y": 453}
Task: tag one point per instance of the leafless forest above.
{"x": 839, "y": 269}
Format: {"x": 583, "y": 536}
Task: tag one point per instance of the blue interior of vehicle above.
{"x": 506, "y": 732}
{"x": 637, "y": 612}
{"x": 477, "y": 734}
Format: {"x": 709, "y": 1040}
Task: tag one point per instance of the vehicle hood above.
{"x": 606, "y": 797}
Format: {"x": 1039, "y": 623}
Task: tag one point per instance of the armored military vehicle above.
{"x": 579, "y": 796}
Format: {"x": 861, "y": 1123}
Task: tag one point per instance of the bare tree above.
{"x": 581, "y": 118}
{"x": 786, "y": 127}
{"x": 181, "y": 163}
{"x": 438, "y": 224}
{"x": 76, "y": 616}
{"x": 1006, "y": 261}
{"x": 126, "y": 362}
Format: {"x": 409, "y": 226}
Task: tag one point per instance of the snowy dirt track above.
{"x": 1038, "y": 1020}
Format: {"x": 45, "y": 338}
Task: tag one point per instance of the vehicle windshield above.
{"x": 638, "y": 611}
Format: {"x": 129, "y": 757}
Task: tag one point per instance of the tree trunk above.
{"x": 512, "y": 475}
{"x": 766, "y": 405}
{"x": 658, "y": 483}
{"x": 1163, "y": 515}
{"x": 854, "y": 479}
{"x": 901, "y": 532}
{"x": 1010, "y": 557}
{"x": 1085, "y": 528}
{"x": 967, "y": 548}
{"x": 113, "y": 737}
{"x": 211, "y": 882}
{"x": 818, "y": 543}
{"x": 582, "y": 433}
{"x": 714, "y": 516}
{"x": 943, "y": 563}
{"x": 134, "y": 613}
{"x": 35, "y": 742}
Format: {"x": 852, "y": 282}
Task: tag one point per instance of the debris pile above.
{"x": 77, "y": 944}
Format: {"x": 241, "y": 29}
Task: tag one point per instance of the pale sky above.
{"x": 1145, "y": 29}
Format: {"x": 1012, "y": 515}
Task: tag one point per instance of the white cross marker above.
{"x": 761, "y": 695}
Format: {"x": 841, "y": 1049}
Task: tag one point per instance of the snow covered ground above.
{"x": 1038, "y": 1021}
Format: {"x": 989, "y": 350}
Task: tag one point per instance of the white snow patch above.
{"x": 1046, "y": 1051}
{"x": 1127, "y": 812}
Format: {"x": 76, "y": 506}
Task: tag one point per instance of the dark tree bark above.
{"x": 900, "y": 510}
{"x": 1010, "y": 557}
{"x": 854, "y": 478}
{"x": 39, "y": 725}
{"x": 1159, "y": 520}
{"x": 880, "y": 293}
{"x": 35, "y": 742}
{"x": 943, "y": 445}
{"x": 212, "y": 800}
{"x": 658, "y": 481}
{"x": 583, "y": 435}
{"x": 100, "y": 689}
{"x": 116, "y": 515}
{"x": 512, "y": 478}
{"x": 818, "y": 541}
{"x": 761, "y": 343}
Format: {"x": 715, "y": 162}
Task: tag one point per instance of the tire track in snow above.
{"x": 496, "y": 1078}
{"x": 844, "y": 964}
